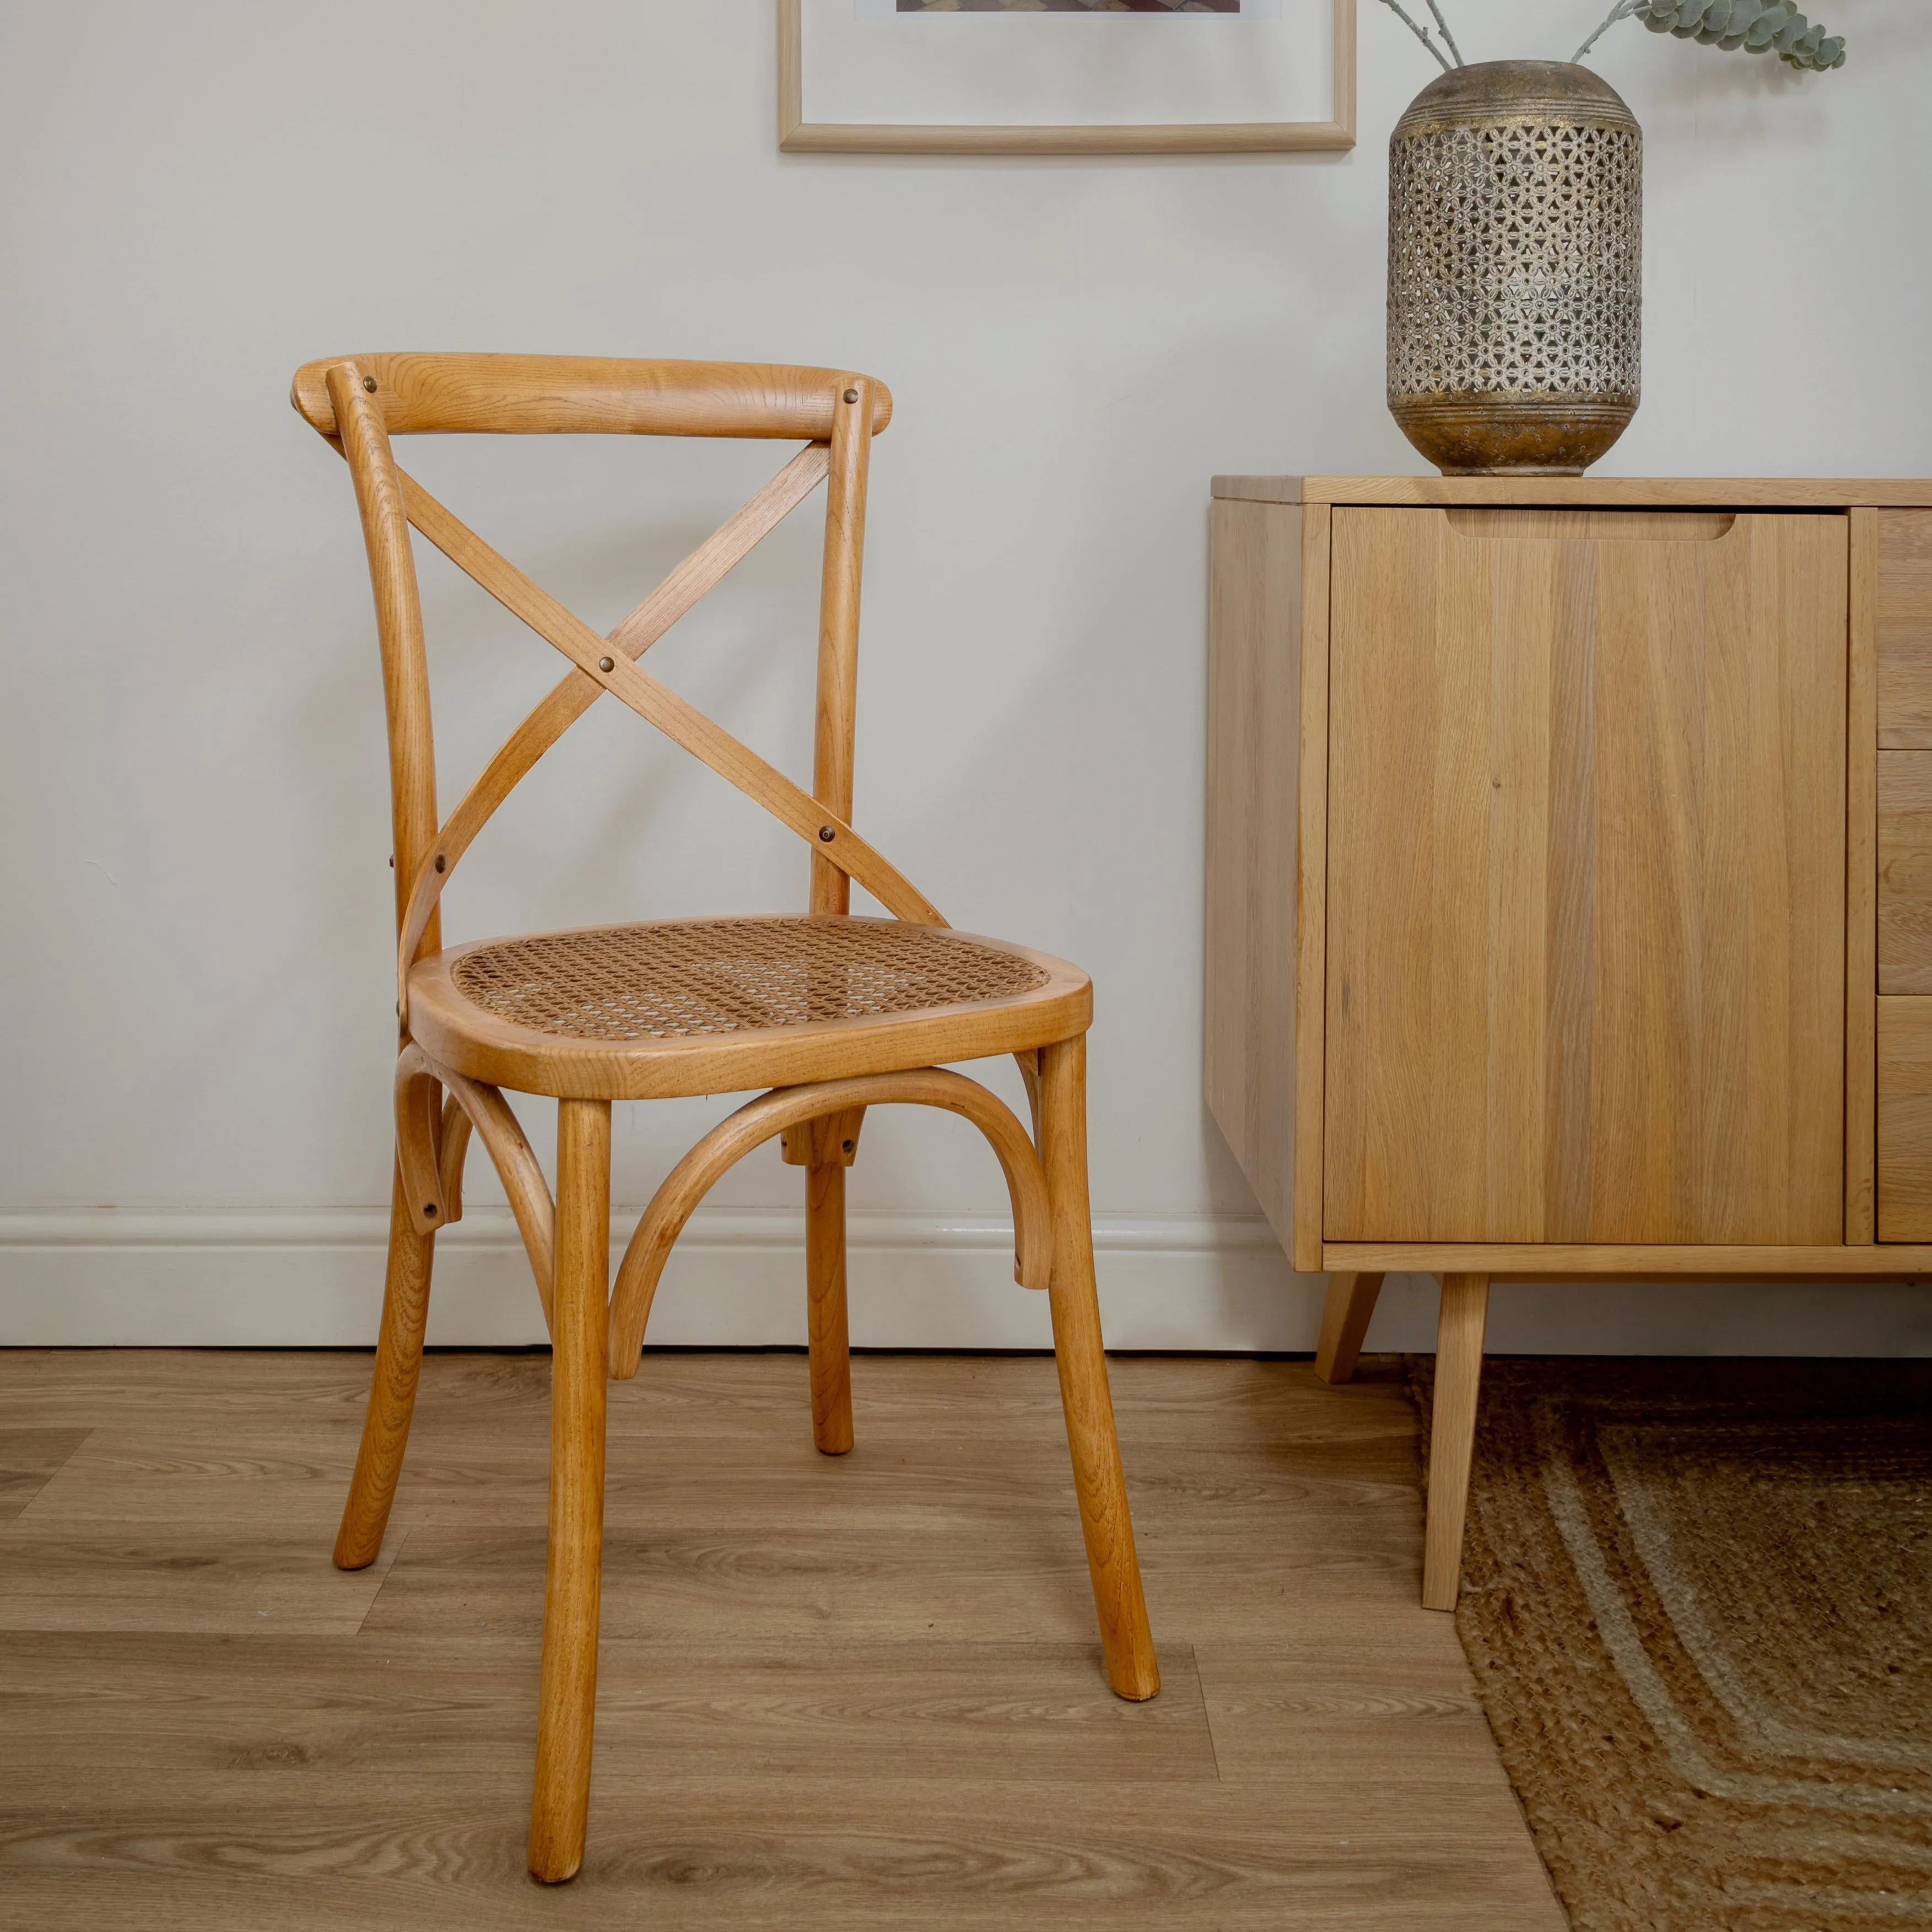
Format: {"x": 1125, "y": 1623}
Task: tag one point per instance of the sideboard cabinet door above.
{"x": 1586, "y": 877}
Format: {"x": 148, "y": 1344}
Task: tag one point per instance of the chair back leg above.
{"x": 567, "y": 1692}
{"x": 392, "y": 1388}
{"x": 1098, "y": 1479}
{"x": 825, "y": 1307}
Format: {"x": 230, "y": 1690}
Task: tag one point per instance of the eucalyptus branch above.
{"x": 1451, "y": 38}
{"x": 1757, "y": 26}
{"x": 1395, "y": 8}
{"x": 1622, "y": 10}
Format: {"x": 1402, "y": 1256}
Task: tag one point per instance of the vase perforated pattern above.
{"x": 664, "y": 981}
{"x": 1515, "y": 261}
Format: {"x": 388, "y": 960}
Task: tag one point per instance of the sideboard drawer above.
{"x": 1904, "y": 615}
{"x": 1905, "y": 1120}
{"x": 1905, "y": 872}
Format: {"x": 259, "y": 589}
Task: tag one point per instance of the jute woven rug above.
{"x": 1697, "y": 1599}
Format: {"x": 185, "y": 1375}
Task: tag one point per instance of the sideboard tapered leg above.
{"x": 1452, "y": 1440}
{"x": 1345, "y": 1323}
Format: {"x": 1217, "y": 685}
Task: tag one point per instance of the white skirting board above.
{"x": 313, "y": 1278}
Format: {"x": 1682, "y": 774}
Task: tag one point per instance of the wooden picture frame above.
{"x": 797, "y": 135}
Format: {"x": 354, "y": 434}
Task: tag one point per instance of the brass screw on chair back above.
{"x": 833, "y": 1014}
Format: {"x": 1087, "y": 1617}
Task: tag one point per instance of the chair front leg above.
{"x": 1098, "y": 1479}
{"x": 392, "y": 1387}
{"x": 567, "y": 1697}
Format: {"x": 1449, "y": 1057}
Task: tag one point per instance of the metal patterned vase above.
{"x": 1515, "y": 278}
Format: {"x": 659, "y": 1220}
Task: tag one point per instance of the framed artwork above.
{"x": 1065, "y": 76}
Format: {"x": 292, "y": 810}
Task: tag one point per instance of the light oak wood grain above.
{"x": 831, "y": 1140}
{"x": 702, "y": 1440}
{"x": 814, "y": 1710}
{"x": 539, "y": 395}
{"x": 835, "y": 723}
{"x": 1903, "y": 623}
{"x": 1259, "y": 1696}
{"x": 160, "y": 1469}
{"x": 319, "y": 1707}
{"x": 677, "y": 1199}
{"x": 463, "y": 1038}
{"x": 1452, "y": 1436}
{"x": 252, "y": 1579}
{"x": 1345, "y": 1316}
{"x": 1862, "y": 860}
{"x": 1640, "y": 493}
{"x": 1850, "y": 605}
{"x": 1586, "y": 881}
{"x": 728, "y": 1392}
{"x": 1254, "y": 669}
{"x": 574, "y": 694}
{"x": 447, "y": 1044}
{"x": 573, "y": 1568}
{"x": 1586, "y": 526}
{"x": 484, "y": 1107}
{"x": 828, "y": 1334}
{"x": 453, "y": 1134}
{"x": 363, "y": 439}
{"x": 1314, "y": 728}
{"x": 1905, "y": 1120}
{"x": 952, "y": 1573}
{"x": 1904, "y": 862}
{"x": 60, "y": 1388}
{"x": 835, "y": 713}
{"x": 418, "y": 1108}
{"x": 935, "y": 1557}
{"x": 29, "y": 1459}
{"x": 877, "y": 1851}
{"x": 657, "y": 704}
{"x": 470, "y": 1472}
{"x": 1578, "y": 1261}
{"x": 1113, "y": 1567}
{"x": 392, "y": 1391}
{"x": 948, "y": 1569}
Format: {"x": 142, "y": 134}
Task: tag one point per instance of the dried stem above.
{"x": 1421, "y": 33}
{"x": 1449, "y": 38}
{"x": 1620, "y": 11}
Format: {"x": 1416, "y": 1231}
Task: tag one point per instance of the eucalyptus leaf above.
{"x": 1757, "y": 26}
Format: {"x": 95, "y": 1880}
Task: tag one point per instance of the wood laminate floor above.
{"x": 860, "y": 1692}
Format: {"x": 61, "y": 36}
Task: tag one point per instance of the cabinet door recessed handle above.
{"x": 1594, "y": 525}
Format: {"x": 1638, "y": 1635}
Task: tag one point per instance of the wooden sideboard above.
{"x": 1570, "y": 889}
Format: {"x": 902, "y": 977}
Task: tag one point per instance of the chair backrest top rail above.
{"x": 391, "y": 502}
{"x": 531, "y": 395}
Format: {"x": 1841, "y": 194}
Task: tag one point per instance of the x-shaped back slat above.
{"x": 607, "y": 663}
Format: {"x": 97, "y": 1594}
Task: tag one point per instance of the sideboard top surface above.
{"x": 1592, "y": 492}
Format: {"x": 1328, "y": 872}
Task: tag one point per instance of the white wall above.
{"x": 197, "y": 906}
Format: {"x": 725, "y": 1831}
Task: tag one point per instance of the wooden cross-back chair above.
{"x": 834, "y": 1014}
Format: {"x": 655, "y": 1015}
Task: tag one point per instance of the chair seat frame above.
{"x": 455, "y": 1059}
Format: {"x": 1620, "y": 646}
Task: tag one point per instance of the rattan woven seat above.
{"x": 834, "y": 1014}
{"x": 691, "y": 1006}
{"x": 674, "y": 979}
